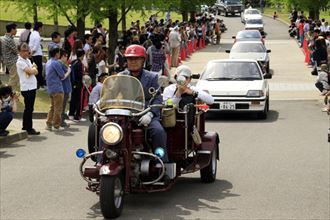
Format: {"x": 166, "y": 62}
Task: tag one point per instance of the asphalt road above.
{"x": 269, "y": 169}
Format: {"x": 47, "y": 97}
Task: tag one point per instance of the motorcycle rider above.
{"x": 136, "y": 56}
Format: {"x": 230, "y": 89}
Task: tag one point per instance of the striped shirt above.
{"x": 9, "y": 50}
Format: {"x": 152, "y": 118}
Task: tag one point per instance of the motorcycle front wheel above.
{"x": 111, "y": 196}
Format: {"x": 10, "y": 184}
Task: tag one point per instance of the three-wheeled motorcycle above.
{"x": 124, "y": 161}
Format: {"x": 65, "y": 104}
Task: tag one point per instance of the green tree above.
{"x": 312, "y": 6}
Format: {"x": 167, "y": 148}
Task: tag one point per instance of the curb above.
{"x": 12, "y": 137}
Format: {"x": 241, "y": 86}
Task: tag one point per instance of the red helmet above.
{"x": 135, "y": 50}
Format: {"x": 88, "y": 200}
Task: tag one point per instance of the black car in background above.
{"x": 230, "y": 7}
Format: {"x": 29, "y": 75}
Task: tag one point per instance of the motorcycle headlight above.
{"x": 111, "y": 133}
{"x": 255, "y": 93}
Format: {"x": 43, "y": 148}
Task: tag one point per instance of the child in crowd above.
{"x": 66, "y": 83}
{"x": 8, "y": 105}
{"x": 95, "y": 94}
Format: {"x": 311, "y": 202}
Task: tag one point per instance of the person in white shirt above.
{"x": 36, "y": 51}
{"x": 28, "y": 83}
{"x": 183, "y": 86}
{"x": 174, "y": 40}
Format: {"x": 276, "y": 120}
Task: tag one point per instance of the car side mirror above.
{"x": 234, "y": 37}
{"x": 227, "y": 51}
{"x": 195, "y": 76}
{"x": 268, "y": 76}
{"x": 268, "y": 51}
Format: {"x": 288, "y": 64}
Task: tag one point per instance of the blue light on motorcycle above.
{"x": 80, "y": 153}
{"x": 159, "y": 152}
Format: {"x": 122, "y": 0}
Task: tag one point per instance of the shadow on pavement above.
{"x": 4, "y": 155}
{"x": 188, "y": 196}
{"x": 11, "y": 145}
{"x": 38, "y": 138}
{"x": 238, "y": 117}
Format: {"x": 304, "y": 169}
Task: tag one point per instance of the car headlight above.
{"x": 255, "y": 93}
{"x": 111, "y": 133}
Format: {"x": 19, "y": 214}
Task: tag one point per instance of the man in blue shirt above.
{"x": 54, "y": 76}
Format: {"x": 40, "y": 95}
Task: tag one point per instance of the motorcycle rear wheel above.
{"x": 111, "y": 196}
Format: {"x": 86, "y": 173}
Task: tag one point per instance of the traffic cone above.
{"x": 169, "y": 61}
{"x": 305, "y": 45}
{"x": 190, "y": 47}
{"x": 183, "y": 53}
{"x": 200, "y": 46}
{"x": 307, "y": 57}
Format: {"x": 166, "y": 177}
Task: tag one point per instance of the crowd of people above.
{"x": 314, "y": 37}
{"x": 74, "y": 66}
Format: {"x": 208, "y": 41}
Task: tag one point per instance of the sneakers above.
{"x": 71, "y": 117}
{"x": 48, "y": 127}
{"x": 79, "y": 120}
{"x": 59, "y": 129}
{"x": 65, "y": 125}
{"x": 33, "y": 132}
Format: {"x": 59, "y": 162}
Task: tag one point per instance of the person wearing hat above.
{"x": 95, "y": 94}
{"x": 183, "y": 88}
{"x": 136, "y": 56}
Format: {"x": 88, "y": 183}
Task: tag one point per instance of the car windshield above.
{"x": 248, "y": 48}
{"x": 254, "y": 21}
{"x": 232, "y": 2}
{"x": 248, "y": 34}
{"x": 122, "y": 92}
{"x": 252, "y": 12}
{"x": 231, "y": 71}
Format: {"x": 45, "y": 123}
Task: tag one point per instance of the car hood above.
{"x": 255, "y": 56}
{"x": 230, "y": 88}
{"x": 254, "y": 26}
{"x": 252, "y": 17}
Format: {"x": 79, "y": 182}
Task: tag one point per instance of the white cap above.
{"x": 183, "y": 70}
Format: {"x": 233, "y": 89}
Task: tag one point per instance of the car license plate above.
{"x": 227, "y": 105}
{"x": 236, "y": 10}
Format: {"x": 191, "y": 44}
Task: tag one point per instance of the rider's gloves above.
{"x": 146, "y": 119}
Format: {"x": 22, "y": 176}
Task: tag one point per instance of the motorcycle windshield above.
{"x": 122, "y": 92}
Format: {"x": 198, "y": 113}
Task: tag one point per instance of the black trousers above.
{"x": 29, "y": 98}
{"x": 38, "y": 61}
{"x": 75, "y": 103}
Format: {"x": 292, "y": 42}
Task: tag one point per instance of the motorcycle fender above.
{"x": 209, "y": 141}
{"x": 110, "y": 169}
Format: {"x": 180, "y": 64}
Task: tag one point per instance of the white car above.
{"x": 251, "y": 50}
{"x": 236, "y": 85}
{"x": 250, "y": 13}
{"x": 254, "y": 24}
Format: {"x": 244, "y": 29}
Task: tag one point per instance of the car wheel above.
{"x": 264, "y": 113}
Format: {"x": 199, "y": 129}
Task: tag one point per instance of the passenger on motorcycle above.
{"x": 136, "y": 56}
{"x": 184, "y": 88}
